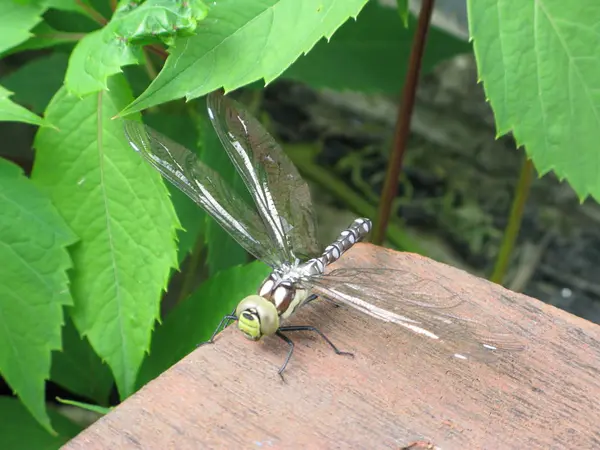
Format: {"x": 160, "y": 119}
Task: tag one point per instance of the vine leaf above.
{"x": 13, "y": 112}
{"x": 102, "y": 53}
{"x": 541, "y": 72}
{"x": 16, "y": 19}
{"x": 371, "y": 53}
{"x": 20, "y": 432}
{"x": 33, "y": 241}
{"x": 120, "y": 209}
{"x": 236, "y": 46}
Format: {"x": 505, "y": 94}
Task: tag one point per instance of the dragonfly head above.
{"x": 257, "y": 317}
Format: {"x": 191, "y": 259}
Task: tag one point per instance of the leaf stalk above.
{"x": 401, "y": 133}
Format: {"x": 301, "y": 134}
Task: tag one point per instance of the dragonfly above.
{"x": 279, "y": 228}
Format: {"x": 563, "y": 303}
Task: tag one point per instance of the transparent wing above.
{"x": 281, "y": 195}
{"x": 422, "y": 306}
{"x": 205, "y": 187}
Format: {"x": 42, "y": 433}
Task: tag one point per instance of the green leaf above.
{"x": 540, "y": 66}
{"x": 34, "y": 90}
{"x": 102, "y": 53}
{"x": 403, "y": 11}
{"x": 34, "y": 286}
{"x": 78, "y": 369}
{"x": 12, "y": 112}
{"x": 18, "y": 431}
{"x": 371, "y": 54}
{"x": 142, "y": 23}
{"x": 236, "y": 46}
{"x": 16, "y": 19}
{"x": 119, "y": 207}
{"x": 195, "y": 319}
{"x": 95, "y": 58}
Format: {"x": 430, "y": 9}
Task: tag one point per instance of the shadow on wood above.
{"x": 400, "y": 388}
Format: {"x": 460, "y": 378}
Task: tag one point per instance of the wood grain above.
{"x": 397, "y": 390}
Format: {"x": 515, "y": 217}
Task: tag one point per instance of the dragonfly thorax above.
{"x": 283, "y": 291}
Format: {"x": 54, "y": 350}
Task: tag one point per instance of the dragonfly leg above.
{"x": 320, "y": 333}
{"x": 290, "y": 343}
{"x": 224, "y": 323}
{"x": 313, "y": 297}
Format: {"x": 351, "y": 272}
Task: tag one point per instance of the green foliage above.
{"x": 33, "y": 90}
{"x": 362, "y": 56}
{"x": 96, "y": 57}
{"x": 105, "y": 192}
{"x": 143, "y": 23}
{"x": 12, "y": 112}
{"x": 102, "y": 53}
{"x": 16, "y": 19}
{"x": 403, "y": 11}
{"x": 34, "y": 285}
{"x": 19, "y": 431}
{"x": 241, "y": 45}
{"x": 541, "y": 71}
{"x": 105, "y": 197}
{"x": 79, "y": 369}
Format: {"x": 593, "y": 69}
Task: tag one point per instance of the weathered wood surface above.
{"x": 396, "y": 390}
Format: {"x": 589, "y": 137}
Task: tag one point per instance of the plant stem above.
{"x": 150, "y": 69}
{"x": 157, "y": 50}
{"x": 514, "y": 222}
{"x": 405, "y": 109}
{"x": 92, "y": 13}
{"x": 301, "y": 156}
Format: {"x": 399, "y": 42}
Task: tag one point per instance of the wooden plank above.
{"x": 399, "y": 388}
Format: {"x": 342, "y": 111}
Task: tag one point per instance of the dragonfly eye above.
{"x": 250, "y": 316}
{"x": 249, "y": 324}
{"x": 257, "y": 317}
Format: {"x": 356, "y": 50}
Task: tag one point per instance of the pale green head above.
{"x": 257, "y": 317}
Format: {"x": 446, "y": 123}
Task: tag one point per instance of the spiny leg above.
{"x": 320, "y": 333}
{"x": 225, "y": 320}
{"x": 313, "y": 297}
{"x": 289, "y": 355}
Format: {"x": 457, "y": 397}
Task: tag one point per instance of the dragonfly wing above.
{"x": 281, "y": 195}
{"x": 205, "y": 187}
{"x": 423, "y": 306}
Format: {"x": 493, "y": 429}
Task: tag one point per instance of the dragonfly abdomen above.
{"x": 356, "y": 232}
